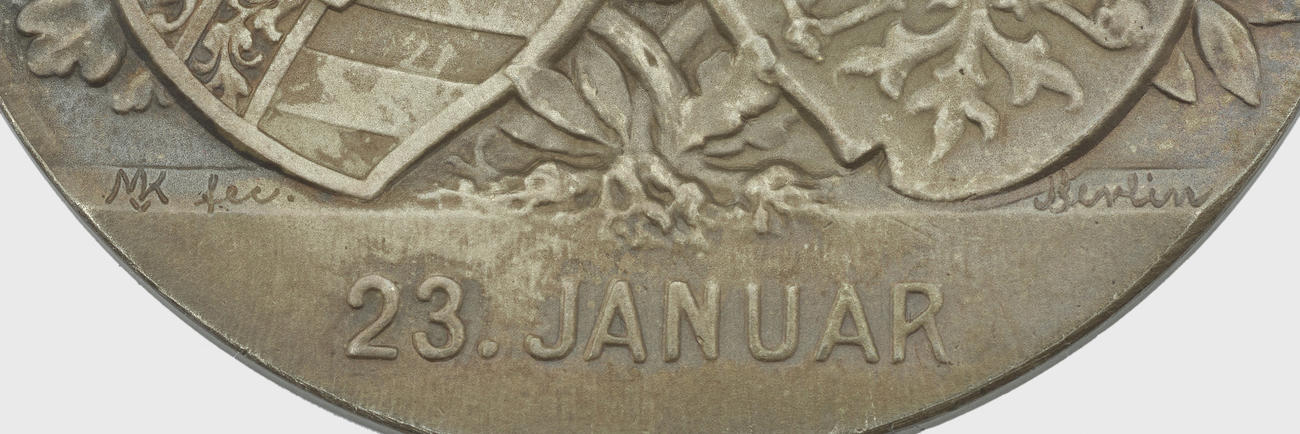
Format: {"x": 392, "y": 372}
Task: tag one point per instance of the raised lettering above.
{"x": 360, "y": 347}
{"x": 791, "y": 340}
{"x": 847, "y": 303}
{"x": 618, "y": 303}
{"x": 703, "y": 320}
{"x": 445, "y": 317}
{"x": 904, "y": 327}
{"x": 534, "y": 345}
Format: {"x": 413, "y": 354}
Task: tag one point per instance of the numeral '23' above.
{"x": 362, "y": 347}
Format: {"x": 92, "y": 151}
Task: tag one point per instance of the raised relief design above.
{"x": 84, "y": 36}
{"x": 908, "y": 78}
{"x": 664, "y": 142}
{"x": 237, "y": 45}
{"x": 347, "y": 94}
{"x": 957, "y": 93}
{"x": 716, "y": 113}
{"x": 632, "y": 326}
{"x": 1224, "y": 41}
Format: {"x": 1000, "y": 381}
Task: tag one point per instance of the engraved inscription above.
{"x": 138, "y": 189}
{"x": 905, "y": 326}
{"x": 618, "y": 213}
{"x": 211, "y": 200}
{"x": 702, "y": 318}
{"x": 534, "y": 345}
{"x": 1065, "y": 194}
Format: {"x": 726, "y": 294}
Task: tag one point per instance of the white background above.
{"x": 85, "y": 348}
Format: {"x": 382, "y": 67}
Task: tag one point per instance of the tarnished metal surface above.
{"x": 681, "y": 216}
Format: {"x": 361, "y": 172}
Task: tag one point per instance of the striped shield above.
{"x": 347, "y": 93}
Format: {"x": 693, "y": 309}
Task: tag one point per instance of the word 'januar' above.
{"x": 618, "y": 323}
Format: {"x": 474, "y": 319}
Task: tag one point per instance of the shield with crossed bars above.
{"x": 346, "y": 94}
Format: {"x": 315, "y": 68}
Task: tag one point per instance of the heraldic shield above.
{"x": 963, "y": 98}
{"x": 346, "y": 94}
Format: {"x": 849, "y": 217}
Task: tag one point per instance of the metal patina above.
{"x": 670, "y": 215}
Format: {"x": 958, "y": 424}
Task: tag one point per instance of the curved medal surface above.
{"x": 679, "y": 216}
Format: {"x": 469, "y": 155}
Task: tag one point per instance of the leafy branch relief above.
{"x": 957, "y": 95}
{"x": 734, "y": 87}
{"x": 85, "y": 37}
{"x": 73, "y": 35}
{"x": 623, "y": 96}
{"x": 1223, "y": 34}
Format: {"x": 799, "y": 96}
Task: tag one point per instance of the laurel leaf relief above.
{"x": 734, "y": 88}
{"x": 594, "y": 100}
{"x": 1223, "y": 34}
{"x": 555, "y": 97}
{"x": 1228, "y": 48}
{"x": 1177, "y": 79}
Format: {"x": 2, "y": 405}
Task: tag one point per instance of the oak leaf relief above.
{"x": 84, "y": 36}
{"x": 957, "y": 93}
{"x": 73, "y": 34}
